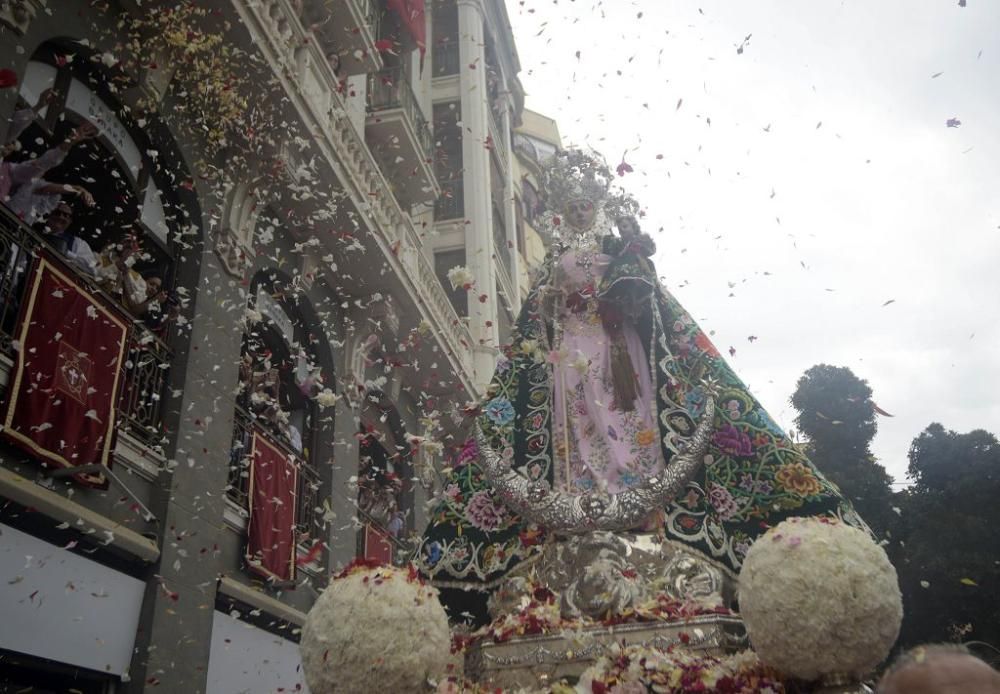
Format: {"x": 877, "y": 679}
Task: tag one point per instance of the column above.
{"x": 476, "y": 187}
{"x": 510, "y": 203}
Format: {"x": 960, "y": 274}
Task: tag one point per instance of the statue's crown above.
{"x": 572, "y": 174}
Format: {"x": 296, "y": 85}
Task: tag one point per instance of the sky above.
{"x": 808, "y": 190}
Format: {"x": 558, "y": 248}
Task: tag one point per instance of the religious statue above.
{"x": 611, "y": 411}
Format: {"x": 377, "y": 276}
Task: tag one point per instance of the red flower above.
{"x": 8, "y": 78}
{"x": 359, "y": 563}
{"x": 624, "y": 167}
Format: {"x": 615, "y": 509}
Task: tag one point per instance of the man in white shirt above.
{"x": 75, "y": 250}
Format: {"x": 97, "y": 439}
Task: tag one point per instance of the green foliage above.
{"x": 942, "y": 534}
{"x": 946, "y": 545}
{"x": 837, "y": 416}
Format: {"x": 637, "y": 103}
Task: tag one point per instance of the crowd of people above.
{"x": 49, "y": 207}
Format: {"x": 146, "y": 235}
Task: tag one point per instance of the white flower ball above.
{"x": 819, "y": 597}
{"x": 375, "y": 627}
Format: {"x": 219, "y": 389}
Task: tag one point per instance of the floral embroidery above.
{"x": 733, "y": 441}
{"x": 645, "y": 437}
{"x": 483, "y": 513}
{"x": 722, "y": 501}
{"x": 798, "y": 479}
{"x": 500, "y": 411}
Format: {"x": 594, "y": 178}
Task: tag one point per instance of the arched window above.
{"x": 385, "y": 478}
{"x": 131, "y": 172}
{"x": 278, "y": 378}
{"x": 135, "y": 212}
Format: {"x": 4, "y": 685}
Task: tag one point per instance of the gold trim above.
{"x": 45, "y": 264}
{"x": 251, "y": 561}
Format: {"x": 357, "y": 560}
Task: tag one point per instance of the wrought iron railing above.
{"x": 497, "y": 139}
{"x": 147, "y": 367}
{"x": 238, "y": 488}
{"x": 390, "y": 89}
{"x": 500, "y": 238}
{"x": 445, "y": 58}
{"x": 147, "y": 372}
{"x": 451, "y": 203}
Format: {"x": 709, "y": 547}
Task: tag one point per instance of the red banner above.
{"x": 274, "y": 476}
{"x": 62, "y": 400}
{"x": 411, "y": 13}
{"x": 378, "y": 546}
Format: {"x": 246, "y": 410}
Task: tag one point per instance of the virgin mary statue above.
{"x": 603, "y": 387}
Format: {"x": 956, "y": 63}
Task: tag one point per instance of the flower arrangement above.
{"x": 640, "y": 669}
{"x": 819, "y": 598}
{"x": 376, "y": 624}
{"x": 460, "y": 276}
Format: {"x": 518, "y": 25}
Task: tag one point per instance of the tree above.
{"x": 947, "y": 545}
{"x": 837, "y": 416}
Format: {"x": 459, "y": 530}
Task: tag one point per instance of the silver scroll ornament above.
{"x": 537, "y": 502}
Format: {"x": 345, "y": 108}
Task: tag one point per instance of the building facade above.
{"x": 231, "y": 361}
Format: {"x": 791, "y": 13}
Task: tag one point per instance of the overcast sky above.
{"x": 805, "y": 182}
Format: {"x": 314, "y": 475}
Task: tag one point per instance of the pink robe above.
{"x": 606, "y": 445}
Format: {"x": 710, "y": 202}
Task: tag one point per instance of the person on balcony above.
{"x": 16, "y": 177}
{"x": 37, "y": 199}
{"x": 76, "y": 251}
{"x": 116, "y": 275}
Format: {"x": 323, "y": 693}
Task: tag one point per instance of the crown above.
{"x": 573, "y": 174}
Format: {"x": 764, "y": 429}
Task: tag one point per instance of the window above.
{"x": 443, "y": 262}
{"x": 278, "y": 377}
{"x": 121, "y": 200}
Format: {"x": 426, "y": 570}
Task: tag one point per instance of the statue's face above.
{"x": 580, "y": 213}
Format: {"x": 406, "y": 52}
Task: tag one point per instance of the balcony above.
{"x": 346, "y": 29}
{"x": 451, "y": 204}
{"x": 398, "y": 134}
{"x": 147, "y": 365}
{"x": 238, "y": 489}
{"x": 279, "y": 36}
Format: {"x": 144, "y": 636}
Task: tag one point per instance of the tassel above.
{"x": 622, "y": 374}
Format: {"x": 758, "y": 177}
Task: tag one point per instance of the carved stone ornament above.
{"x": 234, "y": 238}
{"x": 561, "y": 512}
{"x": 17, "y": 14}
{"x": 235, "y": 259}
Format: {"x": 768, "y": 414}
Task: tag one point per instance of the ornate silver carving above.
{"x": 533, "y": 661}
{"x": 688, "y": 578}
{"x": 603, "y": 580}
{"x": 560, "y": 512}
{"x": 603, "y": 573}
